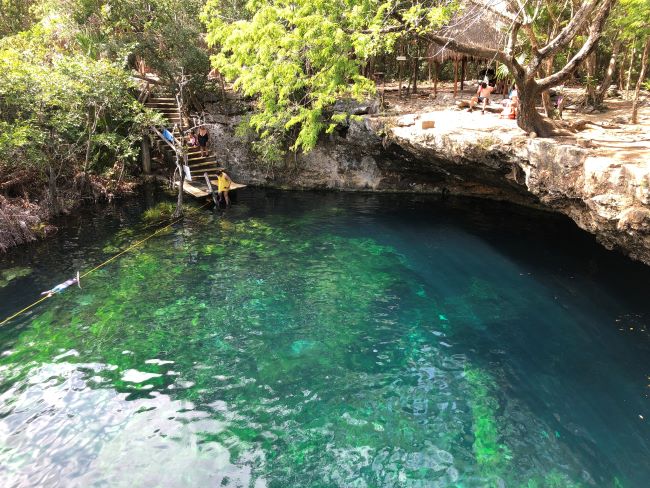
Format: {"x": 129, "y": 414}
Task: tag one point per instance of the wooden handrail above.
{"x": 173, "y": 146}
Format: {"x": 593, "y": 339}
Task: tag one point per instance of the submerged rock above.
{"x": 11, "y": 274}
{"x": 301, "y": 346}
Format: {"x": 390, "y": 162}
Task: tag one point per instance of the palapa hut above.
{"x": 479, "y": 23}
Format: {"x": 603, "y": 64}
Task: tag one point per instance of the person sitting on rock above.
{"x": 511, "y": 107}
{"x": 482, "y": 96}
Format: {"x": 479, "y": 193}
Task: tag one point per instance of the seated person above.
{"x": 512, "y": 93}
{"x": 511, "y": 108}
{"x": 191, "y": 139}
{"x": 482, "y": 96}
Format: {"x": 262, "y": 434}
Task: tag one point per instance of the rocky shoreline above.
{"x": 602, "y": 195}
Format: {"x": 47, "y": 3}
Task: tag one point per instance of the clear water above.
{"x": 327, "y": 340}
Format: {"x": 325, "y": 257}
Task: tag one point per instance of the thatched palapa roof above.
{"x": 478, "y": 23}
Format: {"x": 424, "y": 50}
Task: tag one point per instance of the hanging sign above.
{"x": 401, "y": 58}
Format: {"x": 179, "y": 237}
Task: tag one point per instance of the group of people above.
{"x": 510, "y": 104}
{"x": 223, "y": 180}
{"x": 200, "y": 140}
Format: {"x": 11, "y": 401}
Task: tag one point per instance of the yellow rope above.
{"x": 20, "y": 312}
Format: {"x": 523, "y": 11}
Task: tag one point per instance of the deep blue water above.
{"x": 321, "y": 339}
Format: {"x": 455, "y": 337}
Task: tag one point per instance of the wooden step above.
{"x": 201, "y": 162}
{"x": 209, "y": 170}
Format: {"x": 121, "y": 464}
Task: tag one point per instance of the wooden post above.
{"x": 455, "y": 77}
{"x": 211, "y": 190}
{"x": 462, "y": 74}
{"x": 146, "y": 154}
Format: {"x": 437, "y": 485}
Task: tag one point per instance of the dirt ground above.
{"x": 605, "y": 134}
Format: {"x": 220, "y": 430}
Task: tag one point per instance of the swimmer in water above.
{"x": 63, "y": 286}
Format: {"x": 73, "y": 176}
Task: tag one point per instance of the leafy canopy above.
{"x": 297, "y": 57}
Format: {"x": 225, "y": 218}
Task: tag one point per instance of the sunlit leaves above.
{"x": 51, "y": 96}
{"x": 297, "y": 58}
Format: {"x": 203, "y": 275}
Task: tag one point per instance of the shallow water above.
{"x": 327, "y": 340}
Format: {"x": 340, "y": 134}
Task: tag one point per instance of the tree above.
{"x": 589, "y": 17}
{"x": 634, "y": 22}
{"x": 64, "y": 114}
{"x": 297, "y": 57}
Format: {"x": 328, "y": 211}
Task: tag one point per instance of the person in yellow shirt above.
{"x": 223, "y": 185}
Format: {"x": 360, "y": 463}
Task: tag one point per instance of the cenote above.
{"x": 326, "y": 340}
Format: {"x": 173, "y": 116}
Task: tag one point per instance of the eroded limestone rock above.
{"x": 603, "y": 196}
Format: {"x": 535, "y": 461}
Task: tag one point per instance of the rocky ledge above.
{"x": 606, "y": 194}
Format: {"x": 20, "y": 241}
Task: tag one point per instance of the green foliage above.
{"x": 66, "y": 93}
{"x": 164, "y": 211}
{"x": 298, "y": 58}
{"x": 632, "y": 17}
{"x": 61, "y": 106}
{"x": 15, "y": 16}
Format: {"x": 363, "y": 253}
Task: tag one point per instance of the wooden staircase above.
{"x": 166, "y": 105}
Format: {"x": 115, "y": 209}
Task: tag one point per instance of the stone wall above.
{"x": 608, "y": 199}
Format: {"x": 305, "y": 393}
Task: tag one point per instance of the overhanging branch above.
{"x": 595, "y": 33}
{"x": 576, "y": 24}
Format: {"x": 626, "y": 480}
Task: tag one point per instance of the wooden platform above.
{"x": 198, "y": 190}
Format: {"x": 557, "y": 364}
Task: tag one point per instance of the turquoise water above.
{"x": 327, "y": 340}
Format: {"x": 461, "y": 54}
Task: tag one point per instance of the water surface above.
{"x": 326, "y": 340}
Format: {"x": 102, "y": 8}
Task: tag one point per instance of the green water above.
{"x": 320, "y": 340}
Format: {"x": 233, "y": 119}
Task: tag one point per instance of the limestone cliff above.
{"x": 602, "y": 195}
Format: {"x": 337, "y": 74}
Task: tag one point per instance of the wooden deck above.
{"x": 198, "y": 190}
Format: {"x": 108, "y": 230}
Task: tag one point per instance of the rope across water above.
{"x": 101, "y": 265}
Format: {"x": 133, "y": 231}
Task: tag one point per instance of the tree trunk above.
{"x": 435, "y": 79}
{"x": 146, "y": 154}
{"x": 546, "y": 97}
{"x": 607, "y": 81}
{"x": 179, "y": 201}
{"x": 629, "y": 72}
{"x": 621, "y": 71}
{"x": 637, "y": 90}
{"x": 416, "y": 67}
{"x": 455, "y": 77}
{"x": 416, "y": 62}
{"x": 590, "y": 86}
{"x": 399, "y": 76}
{"x": 528, "y": 118}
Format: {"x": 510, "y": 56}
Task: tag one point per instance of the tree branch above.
{"x": 577, "y": 22}
{"x": 595, "y": 33}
